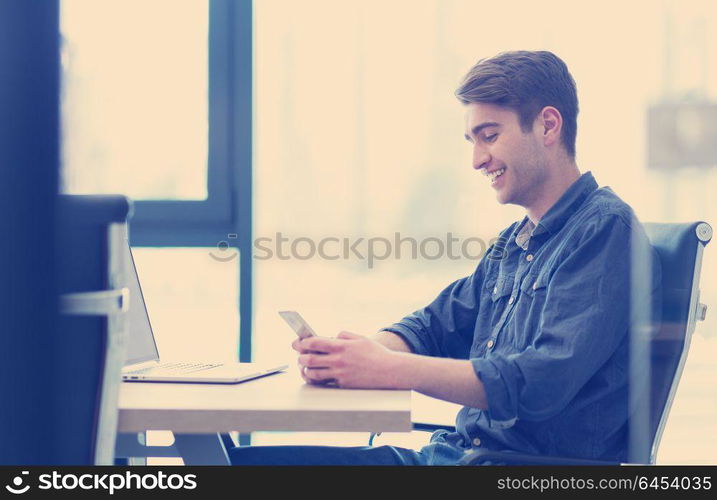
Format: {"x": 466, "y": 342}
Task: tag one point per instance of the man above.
{"x": 535, "y": 342}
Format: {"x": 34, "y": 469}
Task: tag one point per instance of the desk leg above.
{"x": 201, "y": 449}
{"x": 133, "y": 446}
{"x": 139, "y": 460}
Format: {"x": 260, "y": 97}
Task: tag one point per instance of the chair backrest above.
{"x": 679, "y": 247}
{"x": 92, "y": 238}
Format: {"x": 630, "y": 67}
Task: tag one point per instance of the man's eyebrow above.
{"x": 476, "y": 130}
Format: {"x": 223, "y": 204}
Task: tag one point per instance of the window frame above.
{"x": 190, "y": 222}
{"x": 227, "y": 210}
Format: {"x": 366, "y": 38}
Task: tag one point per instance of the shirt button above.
{"x": 535, "y": 285}
{"x": 529, "y": 257}
{"x": 511, "y": 300}
{"x": 476, "y": 442}
{"x": 495, "y": 289}
{"x": 490, "y": 343}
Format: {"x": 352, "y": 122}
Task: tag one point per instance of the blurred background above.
{"x": 336, "y": 119}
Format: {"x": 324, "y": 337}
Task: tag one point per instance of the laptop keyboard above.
{"x": 176, "y": 368}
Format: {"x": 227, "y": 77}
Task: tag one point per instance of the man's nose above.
{"x": 481, "y": 158}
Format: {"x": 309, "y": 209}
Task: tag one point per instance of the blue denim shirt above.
{"x": 546, "y": 329}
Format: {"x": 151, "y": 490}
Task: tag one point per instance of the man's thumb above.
{"x": 349, "y": 335}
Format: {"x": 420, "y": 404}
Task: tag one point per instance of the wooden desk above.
{"x": 280, "y": 402}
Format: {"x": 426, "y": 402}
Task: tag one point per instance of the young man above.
{"x": 534, "y": 343}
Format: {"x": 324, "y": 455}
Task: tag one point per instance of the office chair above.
{"x": 679, "y": 248}
{"x": 92, "y": 232}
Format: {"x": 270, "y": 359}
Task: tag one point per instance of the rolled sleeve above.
{"x": 409, "y": 336}
{"x": 445, "y": 327}
{"x": 583, "y": 323}
{"x": 500, "y": 381}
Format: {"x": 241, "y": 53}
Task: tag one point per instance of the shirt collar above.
{"x": 525, "y": 231}
{"x": 558, "y": 214}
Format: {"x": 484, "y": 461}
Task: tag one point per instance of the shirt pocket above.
{"x": 499, "y": 288}
{"x": 498, "y": 291}
{"x": 526, "y": 317}
{"x": 534, "y": 286}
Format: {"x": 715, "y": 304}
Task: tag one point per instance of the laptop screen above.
{"x": 141, "y": 346}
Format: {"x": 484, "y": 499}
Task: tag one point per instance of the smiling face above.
{"x": 514, "y": 161}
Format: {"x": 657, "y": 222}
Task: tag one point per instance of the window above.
{"x": 157, "y": 105}
{"x": 136, "y": 103}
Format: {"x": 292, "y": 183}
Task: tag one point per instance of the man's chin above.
{"x": 503, "y": 197}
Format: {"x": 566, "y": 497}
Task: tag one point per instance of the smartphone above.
{"x": 297, "y": 323}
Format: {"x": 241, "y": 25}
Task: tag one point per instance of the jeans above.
{"x": 437, "y": 452}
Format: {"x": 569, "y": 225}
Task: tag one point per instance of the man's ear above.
{"x": 550, "y": 122}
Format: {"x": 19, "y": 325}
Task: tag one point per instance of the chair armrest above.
{"x": 480, "y": 456}
{"x": 95, "y": 303}
{"x": 422, "y": 426}
{"x": 418, "y": 426}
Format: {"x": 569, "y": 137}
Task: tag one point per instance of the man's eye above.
{"x": 491, "y": 138}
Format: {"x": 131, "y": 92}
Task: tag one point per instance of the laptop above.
{"x": 142, "y": 363}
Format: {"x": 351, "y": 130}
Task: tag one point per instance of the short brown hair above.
{"x": 525, "y": 82}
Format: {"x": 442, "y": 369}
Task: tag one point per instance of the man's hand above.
{"x": 350, "y": 360}
{"x": 358, "y": 362}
